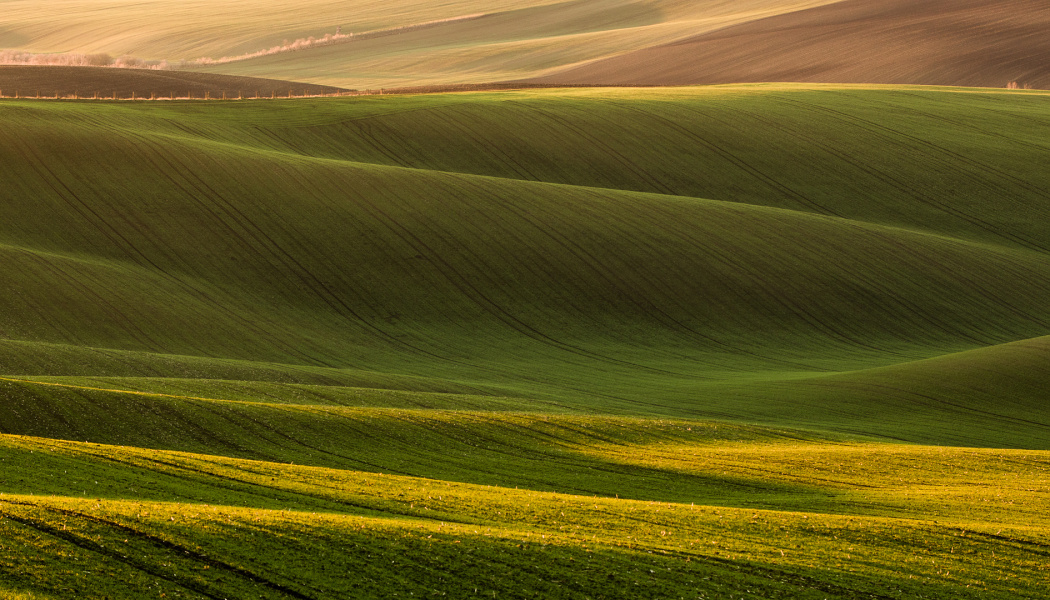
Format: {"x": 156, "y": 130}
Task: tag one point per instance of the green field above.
{"x": 773, "y": 341}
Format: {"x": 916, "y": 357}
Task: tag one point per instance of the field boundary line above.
{"x": 115, "y": 391}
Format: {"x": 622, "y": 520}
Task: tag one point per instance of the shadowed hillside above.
{"x": 985, "y": 43}
{"x": 523, "y": 245}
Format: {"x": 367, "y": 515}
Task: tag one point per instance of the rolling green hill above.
{"x": 518, "y": 244}
{"x": 687, "y": 342}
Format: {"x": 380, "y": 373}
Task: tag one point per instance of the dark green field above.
{"x": 766, "y": 341}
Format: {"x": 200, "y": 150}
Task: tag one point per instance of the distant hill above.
{"x": 379, "y": 44}
{"x": 986, "y": 43}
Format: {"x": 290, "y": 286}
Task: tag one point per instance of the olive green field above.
{"x": 740, "y": 341}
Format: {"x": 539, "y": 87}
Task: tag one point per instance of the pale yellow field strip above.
{"x": 111, "y": 390}
{"x": 186, "y": 29}
{"x": 512, "y": 45}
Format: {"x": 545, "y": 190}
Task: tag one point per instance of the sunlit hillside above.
{"x": 480, "y": 40}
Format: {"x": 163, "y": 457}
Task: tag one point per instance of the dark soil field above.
{"x": 88, "y": 82}
{"x": 980, "y": 43}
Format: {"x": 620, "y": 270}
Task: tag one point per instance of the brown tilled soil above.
{"x": 86, "y": 82}
{"x": 986, "y": 43}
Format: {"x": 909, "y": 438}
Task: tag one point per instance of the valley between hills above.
{"x": 735, "y": 336}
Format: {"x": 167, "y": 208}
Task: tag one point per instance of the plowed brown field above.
{"x": 986, "y": 43}
{"x": 30, "y": 81}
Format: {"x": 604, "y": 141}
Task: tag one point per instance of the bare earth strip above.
{"x": 86, "y": 82}
{"x": 983, "y": 43}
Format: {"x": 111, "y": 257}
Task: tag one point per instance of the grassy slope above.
{"x": 150, "y": 523}
{"x": 291, "y": 232}
{"x": 348, "y": 286}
